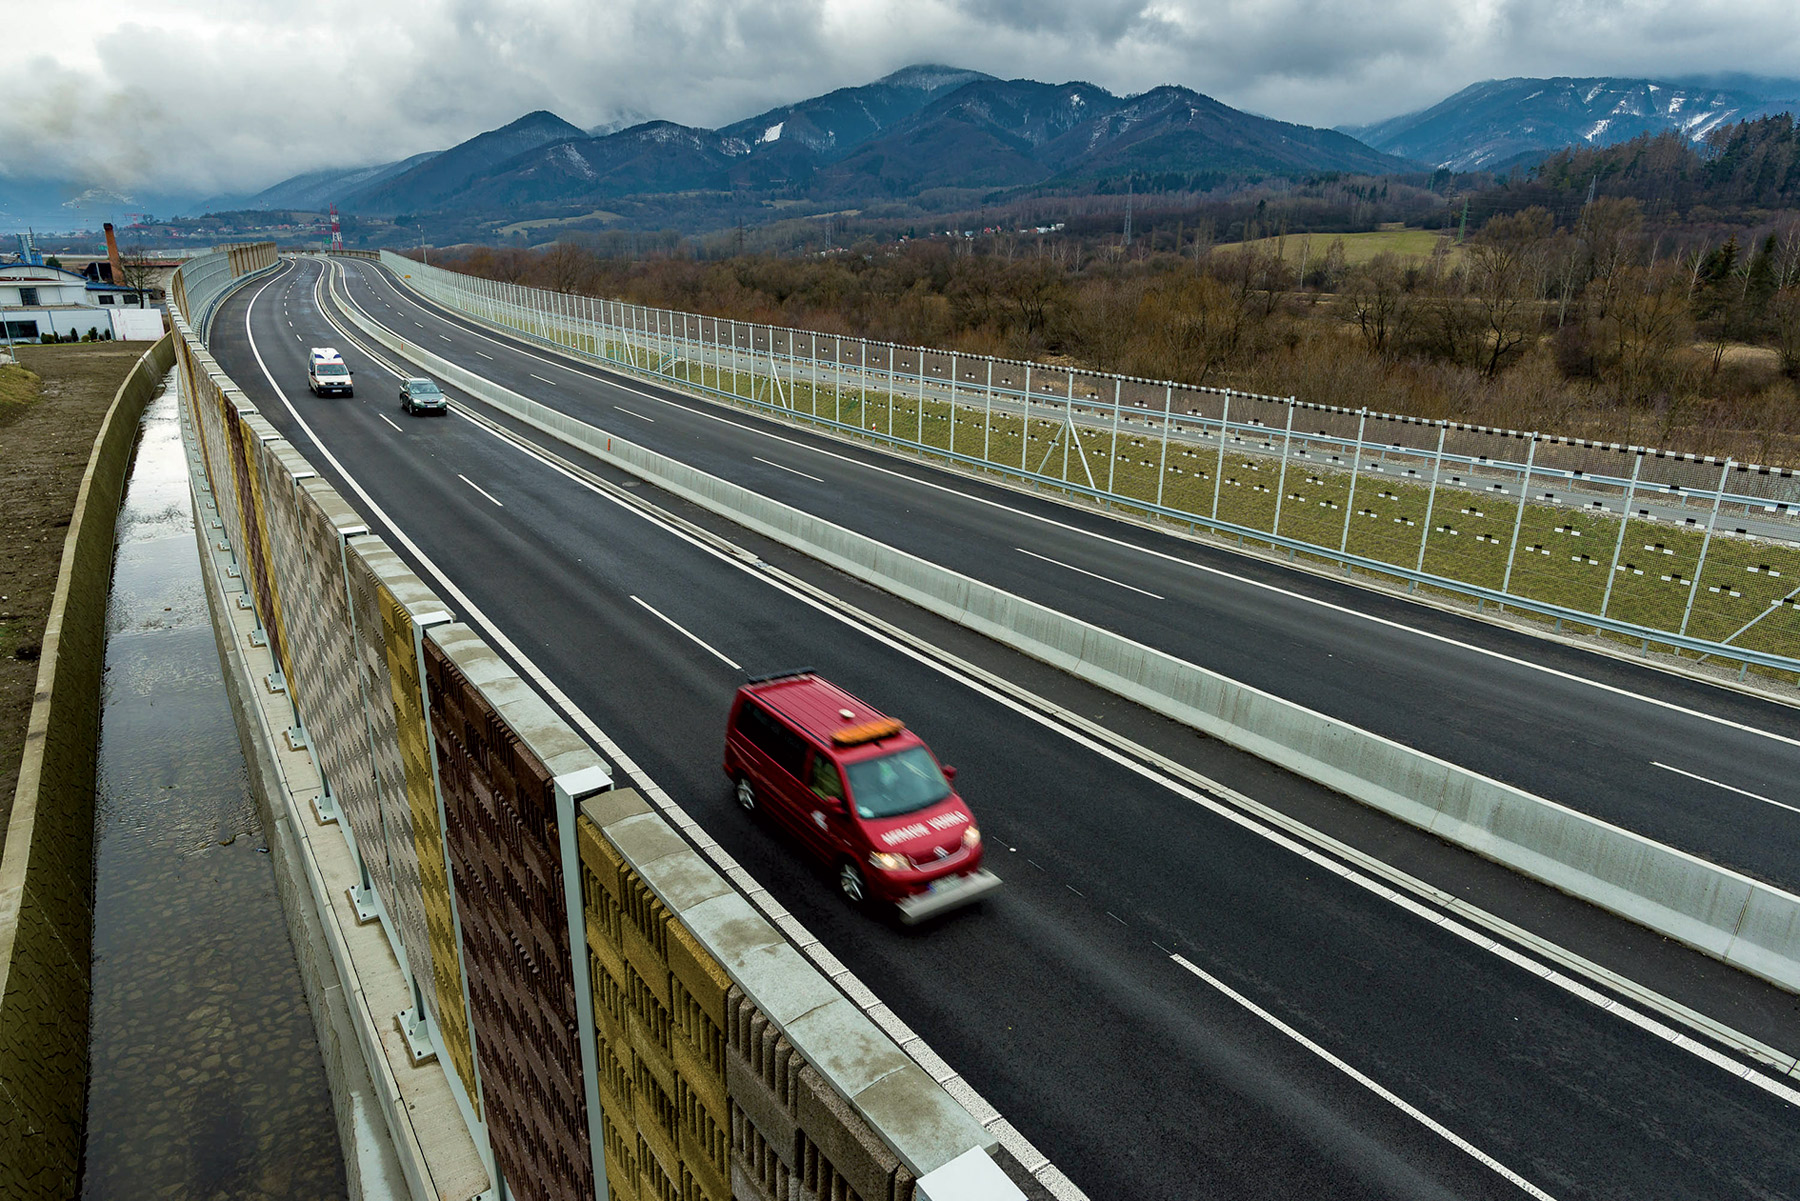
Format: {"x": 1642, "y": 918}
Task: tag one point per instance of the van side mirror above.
{"x": 949, "y": 772}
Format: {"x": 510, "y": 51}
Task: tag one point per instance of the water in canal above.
{"x": 205, "y": 1076}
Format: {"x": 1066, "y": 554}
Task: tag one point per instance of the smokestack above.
{"x": 112, "y": 253}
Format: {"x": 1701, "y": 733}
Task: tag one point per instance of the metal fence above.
{"x": 1681, "y": 553}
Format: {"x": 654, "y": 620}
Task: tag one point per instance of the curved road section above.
{"x": 1169, "y": 997}
{"x": 1700, "y": 768}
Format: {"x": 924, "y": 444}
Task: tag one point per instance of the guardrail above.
{"x": 1740, "y": 920}
{"x": 614, "y": 1019}
{"x": 1630, "y": 542}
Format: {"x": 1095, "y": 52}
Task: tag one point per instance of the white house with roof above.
{"x": 39, "y": 301}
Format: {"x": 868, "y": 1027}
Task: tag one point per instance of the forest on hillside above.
{"x": 1597, "y": 319}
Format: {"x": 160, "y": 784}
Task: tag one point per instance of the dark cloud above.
{"x": 217, "y": 98}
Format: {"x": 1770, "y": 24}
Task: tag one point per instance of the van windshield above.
{"x": 332, "y": 369}
{"x": 902, "y": 782}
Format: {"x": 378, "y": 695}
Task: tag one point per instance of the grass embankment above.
{"x": 1413, "y": 244}
{"x": 1564, "y": 554}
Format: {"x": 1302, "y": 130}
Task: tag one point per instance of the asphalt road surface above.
{"x": 1168, "y": 999}
{"x": 1701, "y": 768}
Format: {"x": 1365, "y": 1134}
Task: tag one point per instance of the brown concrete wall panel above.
{"x": 505, "y": 858}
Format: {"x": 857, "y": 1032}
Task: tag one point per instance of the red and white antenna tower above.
{"x": 337, "y": 235}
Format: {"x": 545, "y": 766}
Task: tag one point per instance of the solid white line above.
{"x": 1755, "y": 796}
{"x": 384, "y": 417}
{"x": 678, "y": 627}
{"x": 639, "y": 416}
{"x": 471, "y": 483}
{"x": 536, "y": 376}
{"x": 1238, "y": 817}
{"x": 789, "y": 470}
{"x": 1411, "y": 1111}
{"x": 1084, "y": 571}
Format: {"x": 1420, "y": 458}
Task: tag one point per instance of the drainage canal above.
{"x": 205, "y": 1079}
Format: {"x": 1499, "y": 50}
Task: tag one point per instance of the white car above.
{"x": 326, "y": 373}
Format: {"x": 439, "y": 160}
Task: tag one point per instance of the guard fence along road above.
{"x": 1677, "y": 553}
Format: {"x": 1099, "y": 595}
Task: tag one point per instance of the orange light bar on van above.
{"x": 868, "y": 731}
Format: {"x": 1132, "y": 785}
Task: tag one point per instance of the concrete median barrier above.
{"x": 1742, "y": 921}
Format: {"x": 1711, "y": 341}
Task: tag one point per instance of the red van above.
{"x": 859, "y": 790}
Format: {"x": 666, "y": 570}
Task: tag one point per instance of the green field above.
{"x": 1564, "y": 551}
{"x": 1414, "y": 244}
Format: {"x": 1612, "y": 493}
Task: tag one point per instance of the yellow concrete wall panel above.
{"x": 699, "y": 973}
{"x": 708, "y": 1089}
{"x": 650, "y": 966}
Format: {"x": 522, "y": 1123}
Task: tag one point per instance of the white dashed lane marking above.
{"x": 471, "y": 483}
{"x": 687, "y": 633}
{"x": 1096, "y": 575}
{"x": 1755, "y": 796}
{"x": 789, "y": 470}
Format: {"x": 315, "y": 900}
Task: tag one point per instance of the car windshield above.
{"x": 422, "y": 388}
{"x": 898, "y": 783}
{"x": 333, "y": 369}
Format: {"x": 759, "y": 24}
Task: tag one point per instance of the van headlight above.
{"x": 971, "y": 838}
{"x": 888, "y": 861}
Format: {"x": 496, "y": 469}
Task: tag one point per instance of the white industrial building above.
{"x": 38, "y": 301}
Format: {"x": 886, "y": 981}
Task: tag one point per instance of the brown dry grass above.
{"x": 51, "y": 407}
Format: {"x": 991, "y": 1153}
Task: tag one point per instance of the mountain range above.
{"x": 1506, "y": 122}
{"x": 922, "y": 128}
{"x": 933, "y": 130}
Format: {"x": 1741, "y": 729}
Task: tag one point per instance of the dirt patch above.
{"x": 49, "y": 414}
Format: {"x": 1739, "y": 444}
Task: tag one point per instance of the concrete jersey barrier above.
{"x": 1742, "y": 921}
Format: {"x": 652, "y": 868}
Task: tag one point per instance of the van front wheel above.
{"x": 851, "y": 883}
{"x": 746, "y": 795}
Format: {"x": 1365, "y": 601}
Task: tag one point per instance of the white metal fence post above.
{"x": 987, "y": 414}
{"x": 1025, "y": 430}
{"x": 954, "y": 381}
{"x": 1162, "y": 467}
{"x": 1362, "y": 418}
{"x": 919, "y": 435}
{"x": 1612, "y": 572}
{"x": 1512, "y": 552}
{"x": 1287, "y": 439}
{"x": 1437, "y": 469}
{"x": 1219, "y": 471}
{"x": 1705, "y": 545}
{"x": 1112, "y": 456}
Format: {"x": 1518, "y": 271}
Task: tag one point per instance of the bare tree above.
{"x": 1506, "y": 275}
{"x": 1375, "y": 300}
{"x": 138, "y": 271}
{"x": 1784, "y": 319}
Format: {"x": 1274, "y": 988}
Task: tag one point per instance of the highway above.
{"x": 1167, "y": 997}
{"x": 1688, "y": 764}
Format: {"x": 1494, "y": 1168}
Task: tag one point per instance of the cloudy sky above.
{"x": 232, "y": 95}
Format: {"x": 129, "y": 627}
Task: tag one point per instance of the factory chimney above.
{"x": 112, "y": 253}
